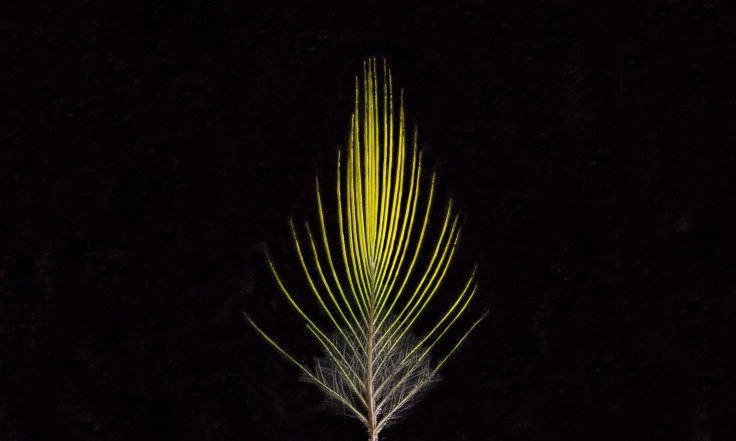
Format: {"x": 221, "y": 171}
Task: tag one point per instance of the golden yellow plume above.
{"x": 373, "y": 365}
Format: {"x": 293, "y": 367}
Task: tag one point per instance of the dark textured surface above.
{"x": 148, "y": 152}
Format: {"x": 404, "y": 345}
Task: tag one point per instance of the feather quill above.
{"x": 374, "y": 367}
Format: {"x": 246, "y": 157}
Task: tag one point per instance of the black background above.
{"x": 149, "y": 152}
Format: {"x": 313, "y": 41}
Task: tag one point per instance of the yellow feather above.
{"x": 373, "y": 365}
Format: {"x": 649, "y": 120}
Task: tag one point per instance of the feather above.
{"x": 374, "y": 367}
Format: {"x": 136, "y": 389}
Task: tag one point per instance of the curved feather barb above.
{"x": 373, "y": 365}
